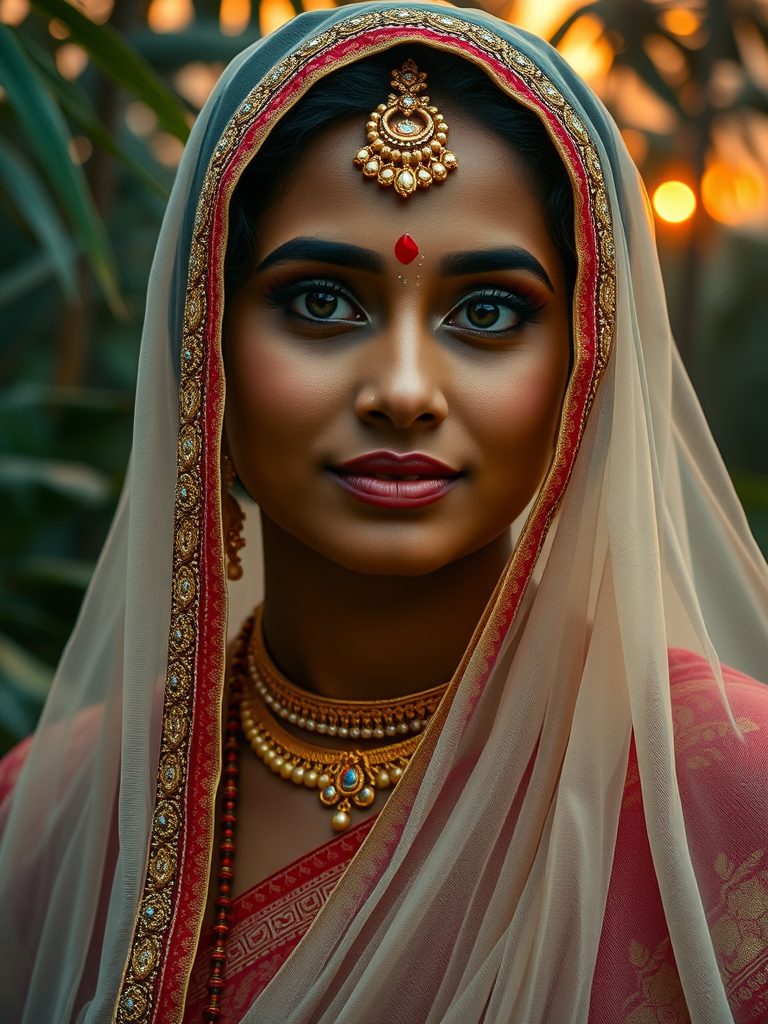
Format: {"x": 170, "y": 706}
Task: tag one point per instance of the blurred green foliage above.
{"x": 78, "y": 239}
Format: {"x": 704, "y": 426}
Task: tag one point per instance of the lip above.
{"x": 379, "y": 478}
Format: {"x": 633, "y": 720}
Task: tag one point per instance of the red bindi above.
{"x": 406, "y": 249}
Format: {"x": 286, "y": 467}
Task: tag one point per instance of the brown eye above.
{"x": 321, "y": 304}
{"x": 483, "y": 314}
{"x": 487, "y": 314}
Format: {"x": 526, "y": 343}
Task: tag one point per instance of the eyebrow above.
{"x": 485, "y": 260}
{"x": 321, "y": 251}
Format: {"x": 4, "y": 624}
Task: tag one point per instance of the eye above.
{"x": 322, "y": 304}
{"x": 493, "y": 312}
{"x": 487, "y": 315}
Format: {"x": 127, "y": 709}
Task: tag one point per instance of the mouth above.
{"x": 396, "y": 481}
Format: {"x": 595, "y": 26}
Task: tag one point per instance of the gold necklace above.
{"x": 365, "y": 719}
{"x": 342, "y": 777}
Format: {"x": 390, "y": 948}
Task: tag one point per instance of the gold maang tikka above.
{"x": 406, "y": 137}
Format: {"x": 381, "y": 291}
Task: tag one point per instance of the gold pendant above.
{"x": 343, "y": 778}
{"x": 354, "y": 781}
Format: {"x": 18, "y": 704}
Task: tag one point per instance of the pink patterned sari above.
{"x": 636, "y": 979}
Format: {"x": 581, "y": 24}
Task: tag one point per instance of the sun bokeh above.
{"x": 674, "y": 201}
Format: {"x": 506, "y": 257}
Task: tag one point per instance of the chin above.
{"x": 395, "y": 550}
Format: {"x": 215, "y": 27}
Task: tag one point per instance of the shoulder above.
{"x": 10, "y": 767}
{"x": 70, "y": 741}
{"x": 721, "y": 748}
{"x": 722, "y": 772}
{"x": 692, "y": 671}
{"x": 708, "y": 739}
{"x": 721, "y": 761}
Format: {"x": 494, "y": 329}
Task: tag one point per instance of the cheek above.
{"x": 279, "y": 400}
{"x": 514, "y": 420}
{"x": 531, "y": 418}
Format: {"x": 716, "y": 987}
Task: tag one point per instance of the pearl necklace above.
{"x": 355, "y": 720}
{"x": 343, "y": 778}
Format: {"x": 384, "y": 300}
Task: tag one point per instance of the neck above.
{"x": 357, "y": 636}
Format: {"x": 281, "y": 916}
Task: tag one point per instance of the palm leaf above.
{"x": 24, "y": 685}
{"x": 593, "y": 8}
{"x": 33, "y": 202}
{"x": 49, "y": 138}
{"x": 77, "y": 481}
{"x": 633, "y": 22}
{"x": 76, "y": 105}
{"x": 34, "y": 396}
{"x": 120, "y": 63}
{"x": 23, "y": 278}
{"x": 30, "y": 676}
{"x": 636, "y": 58}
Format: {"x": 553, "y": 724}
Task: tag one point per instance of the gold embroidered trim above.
{"x": 135, "y": 1003}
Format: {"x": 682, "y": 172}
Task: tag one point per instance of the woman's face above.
{"x": 340, "y": 359}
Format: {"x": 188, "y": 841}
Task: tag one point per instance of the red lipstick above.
{"x": 396, "y": 481}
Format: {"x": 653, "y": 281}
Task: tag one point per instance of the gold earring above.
{"x": 233, "y": 517}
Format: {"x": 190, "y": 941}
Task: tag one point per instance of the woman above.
{"x": 579, "y": 832}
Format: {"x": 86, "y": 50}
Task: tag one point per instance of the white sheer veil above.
{"x": 92, "y": 765}
{"x": 650, "y": 550}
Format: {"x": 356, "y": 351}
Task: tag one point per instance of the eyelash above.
{"x": 522, "y": 301}
{"x": 280, "y": 296}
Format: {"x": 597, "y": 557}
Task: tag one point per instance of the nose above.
{"x": 402, "y": 381}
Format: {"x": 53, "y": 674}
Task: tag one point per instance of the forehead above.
{"x": 488, "y": 201}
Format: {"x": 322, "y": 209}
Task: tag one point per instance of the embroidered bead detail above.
{"x": 133, "y": 1005}
{"x": 146, "y": 955}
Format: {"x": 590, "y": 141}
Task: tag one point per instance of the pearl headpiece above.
{"x": 406, "y": 137}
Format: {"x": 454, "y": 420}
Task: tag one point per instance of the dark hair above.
{"x": 456, "y": 86}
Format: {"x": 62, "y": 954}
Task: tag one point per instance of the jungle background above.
{"x": 96, "y": 101}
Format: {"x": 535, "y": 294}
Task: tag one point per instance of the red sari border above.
{"x": 268, "y": 922}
